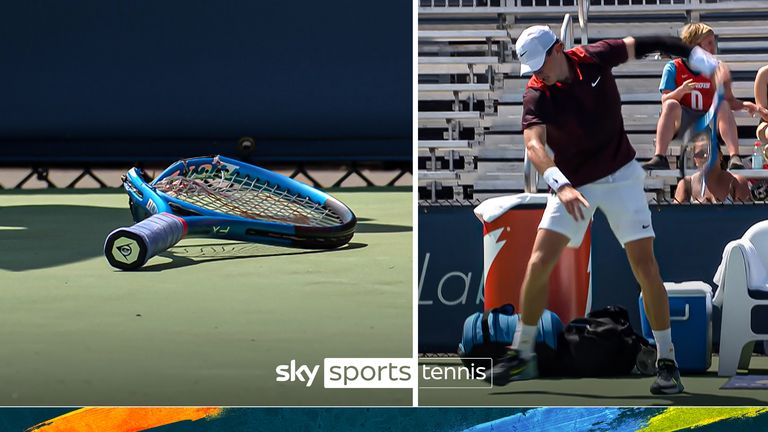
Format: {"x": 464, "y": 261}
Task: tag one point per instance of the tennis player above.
{"x": 573, "y": 105}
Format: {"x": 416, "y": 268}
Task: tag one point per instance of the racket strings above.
{"x": 276, "y": 200}
{"x": 249, "y": 198}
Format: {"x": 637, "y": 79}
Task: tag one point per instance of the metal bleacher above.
{"x": 470, "y": 92}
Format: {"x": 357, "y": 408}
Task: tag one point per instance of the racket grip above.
{"x": 131, "y": 247}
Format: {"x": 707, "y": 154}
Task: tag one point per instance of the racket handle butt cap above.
{"x": 129, "y": 248}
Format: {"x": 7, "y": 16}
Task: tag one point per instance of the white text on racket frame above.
{"x": 220, "y": 230}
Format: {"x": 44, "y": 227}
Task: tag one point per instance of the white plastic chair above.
{"x": 737, "y": 339}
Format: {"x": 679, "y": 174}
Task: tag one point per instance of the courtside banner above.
{"x": 450, "y": 280}
{"x": 450, "y": 266}
{"x": 370, "y": 373}
{"x": 689, "y": 246}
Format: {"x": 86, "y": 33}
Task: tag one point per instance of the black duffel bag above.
{"x": 602, "y": 344}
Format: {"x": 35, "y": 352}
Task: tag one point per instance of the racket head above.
{"x": 706, "y": 125}
{"x": 224, "y": 198}
{"x": 712, "y": 129}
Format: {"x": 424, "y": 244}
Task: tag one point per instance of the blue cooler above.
{"x": 690, "y": 312}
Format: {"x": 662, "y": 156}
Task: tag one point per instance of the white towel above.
{"x": 490, "y": 209}
{"x": 757, "y": 276}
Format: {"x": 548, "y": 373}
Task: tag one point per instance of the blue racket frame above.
{"x": 709, "y": 120}
{"x": 147, "y": 200}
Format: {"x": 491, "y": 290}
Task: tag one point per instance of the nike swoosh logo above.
{"x": 523, "y": 53}
{"x": 598, "y": 80}
{"x": 646, "y": 226}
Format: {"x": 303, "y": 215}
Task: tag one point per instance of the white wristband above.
{"x": 555, "y": 178}
{"x": 702, "y": 61}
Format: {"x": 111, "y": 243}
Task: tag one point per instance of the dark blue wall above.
{"x": 689, "y": 246}
{"x": 311, "y": 74}
{"x": 450, "y": 274}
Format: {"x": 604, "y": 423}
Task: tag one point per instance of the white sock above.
{"x": 664, "y": 347}
{"x": 525, "y": 339}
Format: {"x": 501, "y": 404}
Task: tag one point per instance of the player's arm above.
{"x": 699, "y": 59}
{"x": 535, "y": 144}
{"x": 639, "y": 46}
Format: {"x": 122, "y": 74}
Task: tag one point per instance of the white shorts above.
{"x": 621, "y": 197}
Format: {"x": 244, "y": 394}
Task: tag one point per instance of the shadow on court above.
{"x": 43, "y": 236}
{"x": 183, "y": 256}
{"x": 364, "y": 226}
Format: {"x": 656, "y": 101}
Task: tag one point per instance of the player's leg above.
{"x": 547, "y": 249}
{"x": 726, "y": 124}
{"x": 669, "y": 123}
{"x": 557, "y": 230}
{"x": 646, "y": 270}
{"x": 656, "y": 305}
{"x": 519, "y": 363}
{"x": 626, "y": 209}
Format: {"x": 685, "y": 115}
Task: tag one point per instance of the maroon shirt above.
{"x": 585, "y": 129}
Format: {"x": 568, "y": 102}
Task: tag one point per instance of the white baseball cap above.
{"x": 532, "y": 46}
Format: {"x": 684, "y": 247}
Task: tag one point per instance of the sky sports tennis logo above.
{"x": 385, "y": 373}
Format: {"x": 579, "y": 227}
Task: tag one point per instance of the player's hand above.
{"x": 572, "y": 200}
{"x": 687, "y": 86}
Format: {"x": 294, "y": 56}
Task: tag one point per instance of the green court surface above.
{"x": 700, "y": 389}
{"x": 205, "y": 323}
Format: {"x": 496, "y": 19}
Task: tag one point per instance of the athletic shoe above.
{"x": 658, "y": 162}
{"x": 735, "y": 163}
{"x": 512, "y": 367}
{"x": 668, "y": 378}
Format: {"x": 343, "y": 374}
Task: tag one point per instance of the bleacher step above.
{"x": 444, "y": 144}
{"x": 454, "y": 88}
{"x": 441, "y": 60}
{"x": 462, "y": 35}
